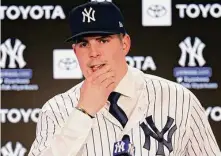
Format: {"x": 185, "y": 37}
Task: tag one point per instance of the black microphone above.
{"x": 124, "y": 147}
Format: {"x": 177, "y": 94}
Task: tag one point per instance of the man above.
{"x": 118, "y": 109}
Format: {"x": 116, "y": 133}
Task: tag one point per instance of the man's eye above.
{"x": 83, "y": 44}
{"x": 103, "y": 40}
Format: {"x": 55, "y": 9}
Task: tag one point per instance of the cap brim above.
{"x": 73, "y": 38}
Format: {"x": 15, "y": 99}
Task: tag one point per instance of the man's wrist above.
{"x": 84, "y": 111}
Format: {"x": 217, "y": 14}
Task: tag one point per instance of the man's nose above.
{"x": 94, "y": 51}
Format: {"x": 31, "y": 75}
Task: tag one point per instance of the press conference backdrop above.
{"x": 177, "y": 40}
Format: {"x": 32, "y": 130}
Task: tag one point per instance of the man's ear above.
{"x": 126, "y": 44}
{"x": 74, "y": 47}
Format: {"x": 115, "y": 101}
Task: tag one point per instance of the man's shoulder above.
{"x": 159, "y": 83}
{"x": 67, "y": 99}
{"x": 154, "y": 81}
{"x": 74, "y": 89}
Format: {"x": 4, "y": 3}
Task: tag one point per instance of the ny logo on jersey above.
{"x": 119, "y": 147}
{"x": 15, "y": 54}
{"x": 8, "y": 151}
{"x": 159, "y": 136}
{"x": 88, "y": 14}
{"x": 195, "y": 52}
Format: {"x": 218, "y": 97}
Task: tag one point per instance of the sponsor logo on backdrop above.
{"x": 214, "y": 113}
{"x": 156, "y": 13}
{"x": 199, "y": 10}
{"x": 15, "y": 115}
{"x": 141, "y": 62}
{"x": 13, "y": 74}
{"x": 193, "y": 74}
{"x": 65, "y": 65}
{"x": 35, "y": 12}
{"x": 159, "y": 12}
{"x": 8, "y": 150}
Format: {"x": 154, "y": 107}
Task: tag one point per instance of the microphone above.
{"x": 124, "y": 147}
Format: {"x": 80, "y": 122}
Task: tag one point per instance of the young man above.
{"x": 118, "y": 109}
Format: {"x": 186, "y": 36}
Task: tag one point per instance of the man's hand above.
{"x": 96, "y": 89}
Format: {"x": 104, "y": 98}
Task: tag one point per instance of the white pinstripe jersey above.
{"x": 63, "y": 130}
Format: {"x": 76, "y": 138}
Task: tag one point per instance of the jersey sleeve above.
{"x": 52, "y": 139}
{"x": 202, "y": 140}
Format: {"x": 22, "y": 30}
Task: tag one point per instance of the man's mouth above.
{"x": 96, "y": 67}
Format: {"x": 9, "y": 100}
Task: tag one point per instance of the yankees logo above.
{"x": 89, "y": 14}
{"x": 159, "y": 136}
{"x": 195, "y": 52}
{"x": 8, "y": 150}
{"x": 15, "y": 54}
{"x": 119, "y": 147}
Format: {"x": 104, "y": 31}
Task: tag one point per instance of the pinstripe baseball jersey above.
{"x": 164, "y": 118}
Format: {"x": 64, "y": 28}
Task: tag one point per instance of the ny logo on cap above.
{"x": 88, "y": 14}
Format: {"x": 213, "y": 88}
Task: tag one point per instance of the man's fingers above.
{"x": 101, "y": 71}
{"x": 111, "y": 86}
{"x": 107, "y": 82}
{"x": 104, "y": 76}
{"x": 89, "y": 72}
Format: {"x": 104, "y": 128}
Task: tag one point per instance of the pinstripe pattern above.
{"x": 109, "y": 145}
{"x": 161, "y": 98}
{"x": 140, "y": 142}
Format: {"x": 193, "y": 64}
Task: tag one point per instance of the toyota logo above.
{"x": 156, "y": 11}
{"x": 67, "y": 63}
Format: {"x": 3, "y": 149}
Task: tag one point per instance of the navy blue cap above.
{"x": 95, "y": 18}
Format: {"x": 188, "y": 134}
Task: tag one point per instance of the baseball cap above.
{"x": 95, "y": 18}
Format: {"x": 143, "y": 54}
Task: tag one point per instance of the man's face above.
{"x": 97, "y": 51}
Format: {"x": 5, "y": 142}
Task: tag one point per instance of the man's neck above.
{"x": 122, "y": 74}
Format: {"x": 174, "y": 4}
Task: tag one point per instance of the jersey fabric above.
{"x": 164, "y": 118}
